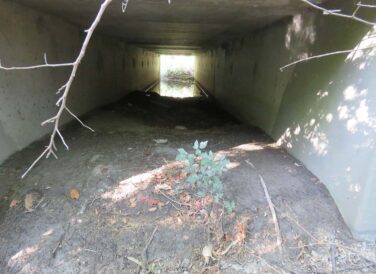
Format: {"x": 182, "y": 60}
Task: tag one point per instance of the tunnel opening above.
{"x": 177, "y": 76}
{"x": 228, "y": 137}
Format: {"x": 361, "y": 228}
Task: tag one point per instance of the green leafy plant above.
{"x": 204, "y": 173}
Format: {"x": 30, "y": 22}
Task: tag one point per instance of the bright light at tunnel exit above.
{"x": 177, "y": 63}
{"x": 177, "y": 76}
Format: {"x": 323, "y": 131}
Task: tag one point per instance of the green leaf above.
{"x": 192, "y": 179}
{"x": 182, "y": 151}
{"x": 201, "y": 194}
{"x": 191, "y": 159}
{"x": 203, "y": 145}
{"x": 196, "y": 145}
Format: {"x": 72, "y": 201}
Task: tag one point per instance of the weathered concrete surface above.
{"x": 323, "y": 111}
{"x": 181, "y": 22}
{"x": 109, "y": 71}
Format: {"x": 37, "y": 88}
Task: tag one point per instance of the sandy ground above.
{"x": 116, "y": 171}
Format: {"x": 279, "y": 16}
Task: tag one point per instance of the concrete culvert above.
{"x": 228, "y": 136}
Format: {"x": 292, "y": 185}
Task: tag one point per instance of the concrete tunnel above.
{"x": 322, "y": 112}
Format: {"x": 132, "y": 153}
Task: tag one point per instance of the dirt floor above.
{"x": 109, "y": 204}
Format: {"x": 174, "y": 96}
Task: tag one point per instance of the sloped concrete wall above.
{"x": 109, "y": 71}
{"x": 323, "y": 111}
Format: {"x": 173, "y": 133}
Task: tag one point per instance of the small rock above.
{"x": 207, "y": 253}
{"x": 32, "y": 199}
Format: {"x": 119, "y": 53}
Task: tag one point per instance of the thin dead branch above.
{"x": 173, "y": 200}
{"x": 60, "y": 241}
{"x": 45, "y": 65}
{"x": 233, "y": 243}
{"x": 144, "y": 264}
{"x": 366, "y": 5}
{"x": 274, "y": 215}
{"x": 353, "y": 16}
{"x": 348, "y": 51}
{"x": 144, "y": 253}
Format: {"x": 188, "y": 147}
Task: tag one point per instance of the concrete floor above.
{"x": 111, "y": 168}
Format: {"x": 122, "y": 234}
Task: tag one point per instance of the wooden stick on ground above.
{"x": 173, "y": 201}
{"x": 272, "y": 210}
{"x": 144, "y": 266}
{"x": 144, "y": 253}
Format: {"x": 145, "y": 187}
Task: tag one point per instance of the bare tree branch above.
{"x": 45, "y": 65}
{"x": 63, "y": 99}
{"x": 348, "y": 51}
{"x": 61, "y": 102}
{"x": 338, "y": 13}
{"x": 366, "y": 5}
{"x": 78, "y": 119}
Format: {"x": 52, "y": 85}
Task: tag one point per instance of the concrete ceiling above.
{"x": 182, "y": 23}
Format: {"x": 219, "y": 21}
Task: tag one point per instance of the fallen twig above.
{"x": 250, "y": 163}
{"x": 142, "y": 266}
{"x": 144, "y": 253}
{"x": 59, "y": 242}
{"x": 132, "y": 259}
{"x": 173, "y": 200}
{"x": 224, "y": 252}
{"x": 274, "y": 216}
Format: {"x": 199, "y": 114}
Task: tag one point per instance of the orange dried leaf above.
{"x": 74, "y": 194}
{"x": 241, "y": 233}
{"x": 133, "y": 205}
{"x": 149, "y": 201}
{"x": 227, "y": 237}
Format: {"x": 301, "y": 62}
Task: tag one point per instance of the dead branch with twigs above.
{"x": 64, "y": 90}
{"x": 337, "y": 12}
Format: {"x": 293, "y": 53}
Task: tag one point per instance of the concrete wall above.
{"x": 323, "y": 111}
{"x": 109, "y": 71}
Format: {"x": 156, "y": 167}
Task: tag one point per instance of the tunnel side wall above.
{"x": 322, "y": 111}
{"x": 110, "y": 70}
